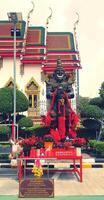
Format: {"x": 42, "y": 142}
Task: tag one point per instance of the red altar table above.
{"x": 53, "y": 156}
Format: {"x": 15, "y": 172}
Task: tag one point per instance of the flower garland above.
{"x": 37, "y": 169}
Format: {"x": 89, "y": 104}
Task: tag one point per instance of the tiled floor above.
{"x": 65, "y": 184}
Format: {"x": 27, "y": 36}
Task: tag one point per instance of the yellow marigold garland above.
{"x": 37, "y": 170}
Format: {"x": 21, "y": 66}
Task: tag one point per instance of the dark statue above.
{"x": 59, "y": 80}
{"x": 59, "y": 91}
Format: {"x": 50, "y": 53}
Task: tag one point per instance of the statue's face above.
{"x": 59, "y": 74}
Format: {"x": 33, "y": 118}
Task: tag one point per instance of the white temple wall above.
{"x": 30, "y": 71}
{"x": 6, "y": 72}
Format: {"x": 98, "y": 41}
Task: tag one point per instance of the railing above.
{"x": 41, "y": 108}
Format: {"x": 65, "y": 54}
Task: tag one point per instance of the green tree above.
{"x": 92, "y": 111}
{"x": 25, "y": 122}
{"x": 98, "y": 101}
{"x": 5, "y": 132}
{"x": 7, "y": 99}
{"x": 101, "y": 91}
{"x": 82, "y": 103}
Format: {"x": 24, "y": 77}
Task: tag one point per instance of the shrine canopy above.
{"x": 61, "y": 45}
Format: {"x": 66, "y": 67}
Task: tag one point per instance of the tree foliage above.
{"x": 5, "y": 130}
{"x": 101, "y": 92}
{"x": 25, "y": 122}
{"x": 92, "y": 111}
{"x": 7, "y": 99}
{"x": 98, "y": 101}
{"x": 90, "y": 108}
{"x": 82, "y": 103}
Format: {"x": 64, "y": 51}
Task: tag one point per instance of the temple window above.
{"x": 33, "y": 92}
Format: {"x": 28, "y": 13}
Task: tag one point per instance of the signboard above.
{"x": 65, "y": 154}
{"x": 36, "y": 187}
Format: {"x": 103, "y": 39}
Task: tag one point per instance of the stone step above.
{"x": 5, "y": 161}
{"x": 5, "y": 172}
{"x": 36, "y": 120}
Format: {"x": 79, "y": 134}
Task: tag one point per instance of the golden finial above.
{"x": 49, "y": 17}
{"x": 29, "y": 13}
{"x": 76, "y": 22}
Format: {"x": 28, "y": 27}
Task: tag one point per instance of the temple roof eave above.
{"x": 59, "y": 44}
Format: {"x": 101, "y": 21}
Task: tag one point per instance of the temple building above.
{"x": 37, "y": 52}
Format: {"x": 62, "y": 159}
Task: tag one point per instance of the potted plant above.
{"x": 48, "y": 141}
{"x": 38, "y": 146}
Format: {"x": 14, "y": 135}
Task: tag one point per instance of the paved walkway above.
{"x": 65, "y": 184}
{"x": 93, "y": 184}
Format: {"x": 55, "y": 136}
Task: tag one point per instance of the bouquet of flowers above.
{"x": 37, "y": 169}
{"x": 26, "y": 144}
{"x": 28, "y": 141}
{"x": 78, "y": 142}
{"x": 67, "y": 144}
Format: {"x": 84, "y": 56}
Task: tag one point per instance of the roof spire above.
{"x": 75, "y": 33}
{"x": 25, "y": 36}
{"x": 49, "y": 17}
{"x": 46, "y": 34}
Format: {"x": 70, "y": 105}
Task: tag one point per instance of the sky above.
{"x": 90, "y": 32}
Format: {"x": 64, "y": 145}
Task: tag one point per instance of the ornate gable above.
{"x": 32, "y": 85}
{"x": 10, "y": 83}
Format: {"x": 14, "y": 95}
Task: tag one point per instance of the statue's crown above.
{"x": 59, "y": 63}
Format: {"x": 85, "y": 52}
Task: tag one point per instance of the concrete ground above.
{"x": 65, "y": 184}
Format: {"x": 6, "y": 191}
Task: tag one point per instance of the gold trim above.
{"x": 69, "y": 43}
{"x": 33, "y": 91}
{"x": 33, "y": 111}
{"x": 10, "y": 81}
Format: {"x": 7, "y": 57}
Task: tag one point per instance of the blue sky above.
{"x": 90, "y": 32}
